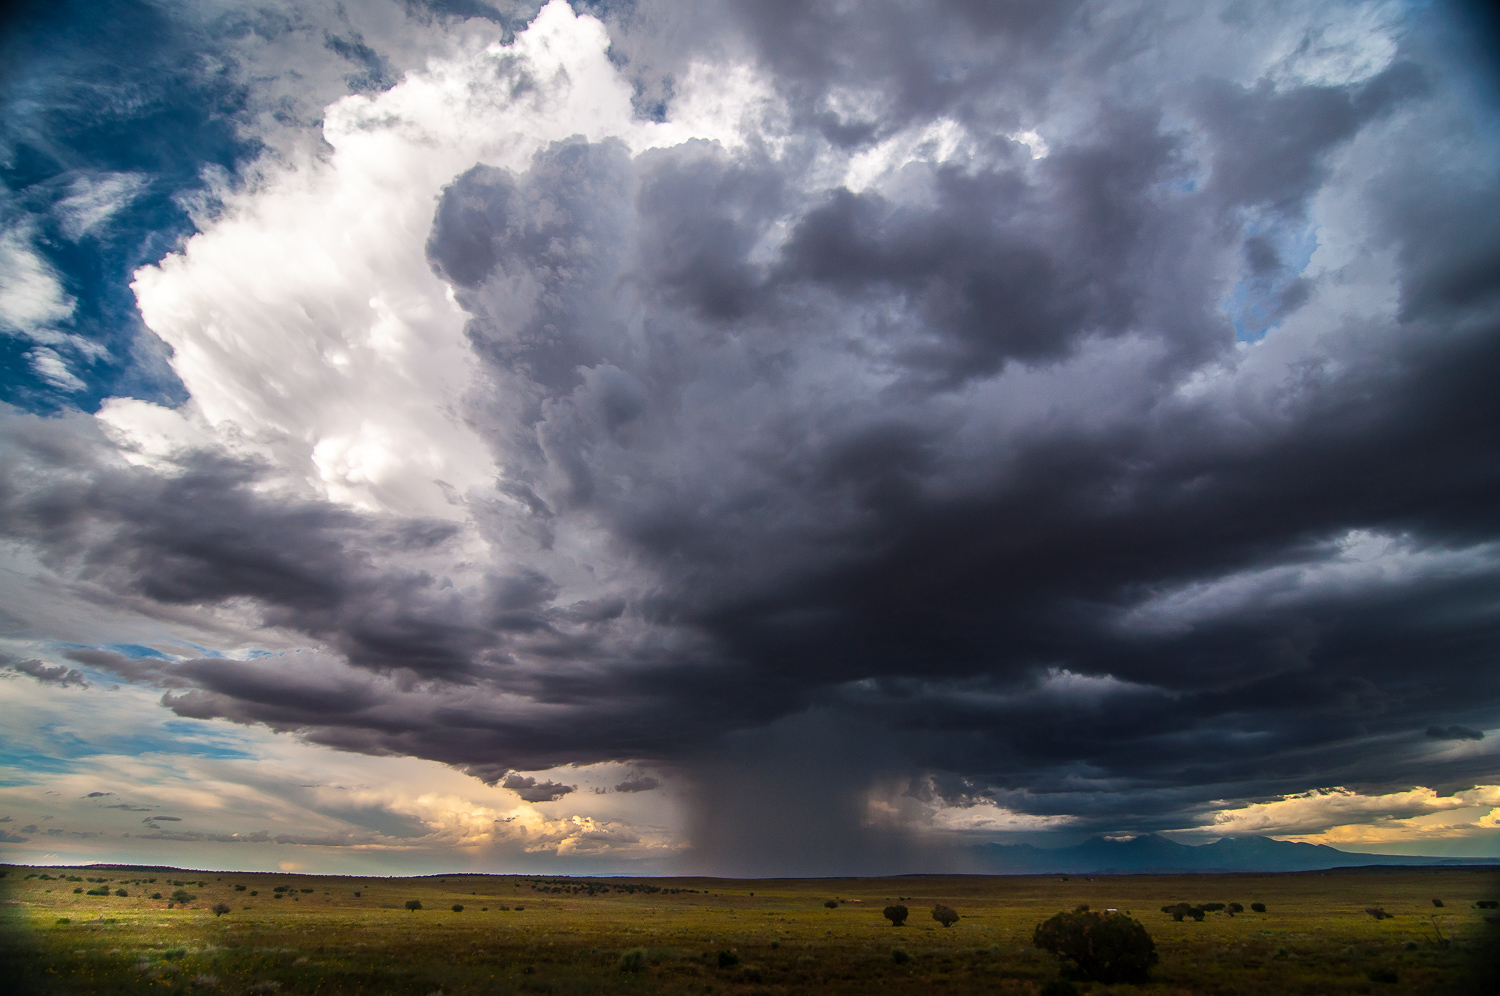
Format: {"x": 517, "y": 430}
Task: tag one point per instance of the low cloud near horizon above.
{"x": 752, "y": 438}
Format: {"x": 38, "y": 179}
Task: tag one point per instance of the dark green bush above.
{"x": 413, "y": 904}
{"x": 832, "y": 904}
{"x": 728, "y": 959}
{"x": 458, "y": 907}
{"x": 900, "y": 956}
{"x": 1105, "y": 947}
{"x": 897, "y": 915}
{"x": 1236, "y": 908}
{"x": 121, "y": 893}
{"x": 220, "y": 909}
{"x": 1258, "y": 907}
{"x": 944, "y": 915}
{"x": 1438, "y": 903}
{"x": 633, "y": 960}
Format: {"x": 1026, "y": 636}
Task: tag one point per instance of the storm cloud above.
{"x": 1067, "y": 408}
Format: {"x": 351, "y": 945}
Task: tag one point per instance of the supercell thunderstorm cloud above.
{"x": 748, "y": 437}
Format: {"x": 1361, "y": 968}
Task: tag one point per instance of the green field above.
{"x": 524, "y": 934}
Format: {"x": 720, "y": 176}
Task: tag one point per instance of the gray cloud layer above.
{"x": 925, "y": 459}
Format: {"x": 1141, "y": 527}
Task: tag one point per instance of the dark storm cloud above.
{"x": 638, "y": 783}
{"x": 49, "y": 674}
{"x": 531, "y": 790}
{"x": 961, "y": 475}
{"x": 1454, "y": 732}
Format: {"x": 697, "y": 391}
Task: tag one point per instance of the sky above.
{"x": 745, "y": 437}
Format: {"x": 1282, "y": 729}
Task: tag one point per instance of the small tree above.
{"x": 1438, "y": 903}
{"x": 413, "y": 904}
{"x": 832, "y": 904}
{"x": 1258, "y": 907}
{"x": 944, "y": 915}
{"x": 220, "y": 909}
{"x": 897, "y": 915}
{"x": 1105, "y": 947}
{"x": 458, "y": 907}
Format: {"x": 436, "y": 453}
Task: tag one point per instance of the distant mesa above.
{"x": 1154, "y": 853}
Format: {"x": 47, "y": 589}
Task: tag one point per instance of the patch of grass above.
{"x": 583, "y": 936}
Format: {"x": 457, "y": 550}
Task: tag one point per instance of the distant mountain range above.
{"x": 1152, "y": 853}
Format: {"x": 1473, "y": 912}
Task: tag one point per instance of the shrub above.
{"x": 1488, "y": 904}
{"x": 832, "y": 904}
{"x": 518, "y": 909}
{"x": 897, "y": 915}
{"x": 900, "y": 956}
{"x": 1105, "y": 947}
{"x": 413, "y": 904}
{"x": 1258, "y": 907}
{"x": 156, "y": 895}
{"x": 1378, "y": 913}
{"x": 254, "y": 892}
{"x": 77, "y": 890}
{"x": 122, "y": 893}
{"x": 64, "y": 920}
{"x": 944, "y": 915}
{"x": 1438, "y": 903}
{"x": 633, "y": 960}
{"x": 1211, "y": 907}
{"x": 728, "y": 959}
{"x": 220, "y": 909}
{"x": 239, "y": 888}
{"x": 1236, "y": 908}
{"x": 183, "y": 896}
{"x": 458, "y": 907}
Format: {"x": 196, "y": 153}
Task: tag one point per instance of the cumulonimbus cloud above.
{"x": 851, "y": 404}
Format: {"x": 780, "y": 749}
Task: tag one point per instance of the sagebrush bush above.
{"x": 1105, "y": 947}
{"x": 896, "y": 914}
{"x": 944, "y": 915}
{"x": 633, "y": 960}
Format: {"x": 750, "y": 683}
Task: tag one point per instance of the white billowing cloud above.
{"x": 306, "y": 323}
{"x": 93, "y": 200}
{"x": 1341, "y": 815}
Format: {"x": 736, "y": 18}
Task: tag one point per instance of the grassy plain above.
{"x": 351, "y": 935}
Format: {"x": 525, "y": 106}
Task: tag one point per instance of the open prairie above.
{"x": 305, "y": 934}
